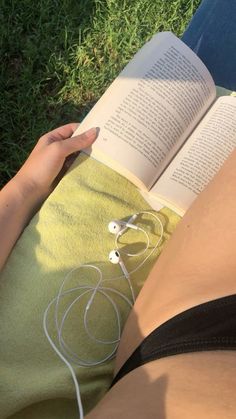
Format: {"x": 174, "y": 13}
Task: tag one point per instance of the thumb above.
{"x": 79, "y": 142}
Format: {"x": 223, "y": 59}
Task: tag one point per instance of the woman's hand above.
{"x": 24, "y": 194}
{"x": 50, "y": 158}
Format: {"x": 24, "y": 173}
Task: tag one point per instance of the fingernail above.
{"x": 92, "y": 132}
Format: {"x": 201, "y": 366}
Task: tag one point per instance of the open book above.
{"x": 161, "y": 125}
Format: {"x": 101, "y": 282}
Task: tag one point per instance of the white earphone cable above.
{"x": 65, "y": 353}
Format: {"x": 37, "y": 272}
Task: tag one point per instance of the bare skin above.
{"x": 197, "y": 265}
{"x": 37, "y": 178}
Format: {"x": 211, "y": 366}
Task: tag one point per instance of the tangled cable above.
{"x": 66, "y": 354}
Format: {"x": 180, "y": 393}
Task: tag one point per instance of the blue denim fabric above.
{"x": 211, "y": 34}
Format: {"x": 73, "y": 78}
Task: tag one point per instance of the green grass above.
{"x": 59, "y": 56}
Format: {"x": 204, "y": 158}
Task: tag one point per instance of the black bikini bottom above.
{"x": 206, "y": 327}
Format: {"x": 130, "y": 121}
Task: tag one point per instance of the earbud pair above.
{"x": 118, "y": 227}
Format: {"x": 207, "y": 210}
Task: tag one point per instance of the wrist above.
{"x": 20, "y": 197}
{"x": 27, "y": 190}
{"x": 18, "y": 204}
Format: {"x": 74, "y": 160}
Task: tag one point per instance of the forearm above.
{"x": 17, "y": 206}
{"x": 24, "y": 194}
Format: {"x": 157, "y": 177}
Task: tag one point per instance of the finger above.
{"x": 61, "y": 133}
{"x": 79, "y": 142}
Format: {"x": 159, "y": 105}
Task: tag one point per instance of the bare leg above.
{"x": 197, "y": 265}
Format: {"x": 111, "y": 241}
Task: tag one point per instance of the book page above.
{"x": 150, "y": 109}
{"x": 201, "y": 156}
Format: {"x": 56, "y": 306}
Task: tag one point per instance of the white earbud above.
{"x": 114, "y": 257}
{"x": 58, "y": 343}
{"x": 119, "y": 227}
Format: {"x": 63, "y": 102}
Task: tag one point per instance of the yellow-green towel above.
{"x": 70, "y": 229}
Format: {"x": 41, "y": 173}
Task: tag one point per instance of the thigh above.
{"x": 196, "y": 385}
{"x": 197, "y": 265}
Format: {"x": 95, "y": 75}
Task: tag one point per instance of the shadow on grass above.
{"x": 58, "y": 57}
{"x": 37, "y": 42}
